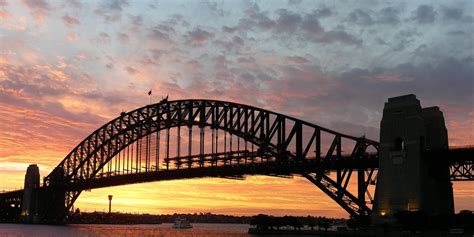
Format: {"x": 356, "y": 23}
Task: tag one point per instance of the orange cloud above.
{"x": 17, "y": 23}
{"x": 4, "y": 15}
{"x": 72, "y": 36}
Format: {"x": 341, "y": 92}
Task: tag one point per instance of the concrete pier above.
{"x": 29, "y": 206}
{"x": 406, "y": 179}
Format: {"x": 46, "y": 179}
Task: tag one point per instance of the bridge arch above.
{"x": 281, "y": 141}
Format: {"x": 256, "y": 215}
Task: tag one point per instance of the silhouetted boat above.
{"x": 182, "y": 223}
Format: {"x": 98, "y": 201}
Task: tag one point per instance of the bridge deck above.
{"x": 281, "y": 169}
{"x": 460, "y": 161}
{"x": 267, "y": 168}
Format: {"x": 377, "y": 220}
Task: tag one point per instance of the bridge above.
{"x": 186, "y": 139}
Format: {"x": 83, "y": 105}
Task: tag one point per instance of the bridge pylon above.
{"x": 407, "y": 179}
{"x": 29, "y": 205}
{"x": 42, "y": 204}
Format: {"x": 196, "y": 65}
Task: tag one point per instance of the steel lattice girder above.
{"x": 276, "y": 135}
{"x": 459, "y": 159}
{"x": 462, "y": 171}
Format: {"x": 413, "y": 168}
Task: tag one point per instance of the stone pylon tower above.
{"x": 407, "y": 179}
{"x": 29, "y": 204}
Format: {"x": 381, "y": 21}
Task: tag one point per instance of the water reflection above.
{"x": 163, "y": 230}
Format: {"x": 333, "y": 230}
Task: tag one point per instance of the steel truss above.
{"x": 261, "y": 136}
{"x": 459, "y": 159}
{"x": 462, "y": 172}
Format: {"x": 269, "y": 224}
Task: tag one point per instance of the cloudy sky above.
{"x": 67, "y": 67}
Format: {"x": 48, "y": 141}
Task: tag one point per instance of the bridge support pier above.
{"x": 52, "y": 209}
{"x": 406, "y": 180}
{"x": 29, "y": 205}
{"x": 41, "y": 204}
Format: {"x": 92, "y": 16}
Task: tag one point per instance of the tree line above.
{"x": 266, "y": 222}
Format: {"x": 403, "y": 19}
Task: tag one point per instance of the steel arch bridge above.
{"x": 185, "y": 139}
{"x": 244, "y": 140}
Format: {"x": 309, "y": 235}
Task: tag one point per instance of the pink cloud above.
{"x": 162, "y": 34}
{"x": 123, "y": 38}
{"x": 460, "y": 131}
{"x": 70, "y": 21}
{"x": 103, "y": 38}
{"x": 302, "y": 82}
{"x": 297, "y": 59}
{"x": 198, "y": 37}
{"x": 38, "y": 8}
{"x": 131, "y": 70}
{"x": 391, "y": 78}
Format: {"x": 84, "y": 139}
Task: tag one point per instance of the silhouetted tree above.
{"x": 261, "y": 221}
{"x": 353, "y": 223}
{"x": 364, "y": 221}
{"x": 465, "y": 212}
{"x": 412, "y": 220}
{"x": 323, "y": 223}
{"x": 293, "y": 222}
{"x": 278, "y": 222}
{"x": 311, "y": 222}
{"x": 464, "y": 219}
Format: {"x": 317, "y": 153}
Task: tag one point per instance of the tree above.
{"x": 294, "y": 222}
{"x": 278, "y": 222}
{"x": 353, "y": 223}
{"x": 261, "y": 221}
{"x": 323, "y": 223}
{"x": 311, "y": 222}
{"x": 465, "y": 212}
{"x": 412, "y": 220}
{"x": 364, "y": 221}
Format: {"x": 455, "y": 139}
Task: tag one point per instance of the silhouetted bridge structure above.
{"x": 186, "y": 139}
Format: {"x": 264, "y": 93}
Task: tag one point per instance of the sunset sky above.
{"x": 68, "y": 67}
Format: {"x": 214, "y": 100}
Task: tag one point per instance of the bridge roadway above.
{"x": 460, "y": 160}
{"x": 236, "y": 171}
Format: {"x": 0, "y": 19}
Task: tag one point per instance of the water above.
{"x": 161, "y": 230}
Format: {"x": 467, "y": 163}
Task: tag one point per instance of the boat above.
{"x": 182, "y": 223}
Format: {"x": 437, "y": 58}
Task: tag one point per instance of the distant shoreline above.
{"x": 132, "y": 219}
{"x": 128, "y": 218}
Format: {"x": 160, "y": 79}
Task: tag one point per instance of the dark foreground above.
{"x": 329, "y": 233}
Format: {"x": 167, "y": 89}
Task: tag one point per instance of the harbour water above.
{"x": 86, "y": 230}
